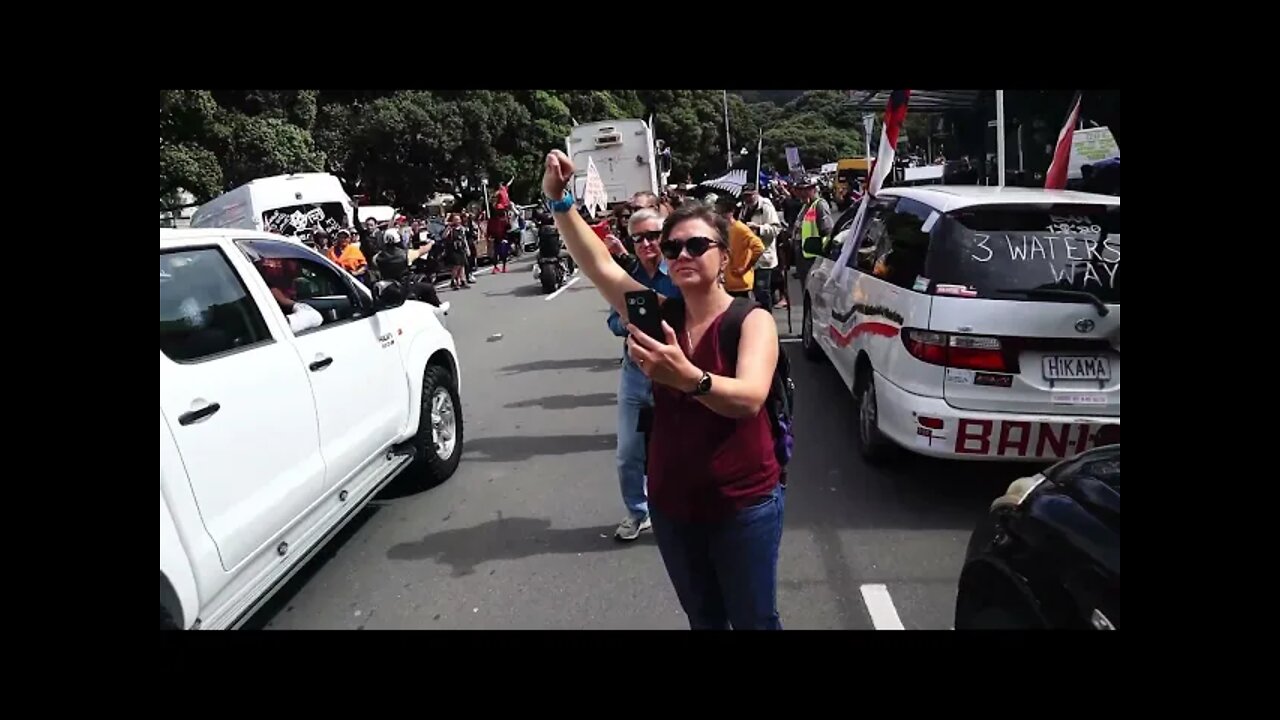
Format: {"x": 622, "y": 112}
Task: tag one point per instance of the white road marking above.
{"x": 883, "y": 615}
{"x": 564, "y": 287}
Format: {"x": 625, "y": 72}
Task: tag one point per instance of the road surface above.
{"x": 521, "y": 536}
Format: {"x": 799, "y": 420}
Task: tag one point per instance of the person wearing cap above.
{"x": 340, "y": 239}
{"x": 745, "y": 248}
{"x": 814, "y": 221}
{"x": 347, "y": 255}
{"x": 762, "y": 219}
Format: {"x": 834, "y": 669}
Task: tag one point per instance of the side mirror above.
{"x": 387, "y": 295}
{"x": 812, "y": 245}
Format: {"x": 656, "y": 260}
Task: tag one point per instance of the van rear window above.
{"x": 993, "y": 250}
{"x": 305, "y": 218}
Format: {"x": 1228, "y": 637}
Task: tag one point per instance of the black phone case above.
{"x": 644, "y": 313}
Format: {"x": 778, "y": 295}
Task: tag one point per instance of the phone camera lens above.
{"x": 639, "y": 301}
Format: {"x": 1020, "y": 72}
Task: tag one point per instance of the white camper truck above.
{"x": 623, "y": 154}
{"x": 283, "y": 204}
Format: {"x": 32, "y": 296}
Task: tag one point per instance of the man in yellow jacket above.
{"x": 745, "y": 248}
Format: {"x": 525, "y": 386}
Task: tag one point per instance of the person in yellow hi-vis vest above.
{"x": 814, "y": 221}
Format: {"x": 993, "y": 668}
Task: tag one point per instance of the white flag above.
{"x": 594, "y": 196}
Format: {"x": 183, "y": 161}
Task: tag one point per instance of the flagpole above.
{"x": 759, "y": 154}
{"x": 1000, "y": 137}
{"x": 728, "y": 143}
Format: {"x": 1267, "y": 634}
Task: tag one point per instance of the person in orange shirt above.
{"x": 347, "y": 255}
{"x": 745, "y": 248}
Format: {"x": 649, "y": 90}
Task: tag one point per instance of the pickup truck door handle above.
{"x": 321, "y": 364}
{"x": 192, "y": 416}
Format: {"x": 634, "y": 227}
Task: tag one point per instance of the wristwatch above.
{"x": 704, "y": 385}
{"x": 563, "y": 205}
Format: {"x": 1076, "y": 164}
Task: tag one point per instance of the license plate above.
{"x": 1076, "y": 367}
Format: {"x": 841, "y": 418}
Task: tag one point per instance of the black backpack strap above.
{"x": 731, "y": 328}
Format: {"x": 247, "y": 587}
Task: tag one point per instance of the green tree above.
{"x": 264, "y": 146}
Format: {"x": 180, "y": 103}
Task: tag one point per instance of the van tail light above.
{"x": 930, "y": 347}
{"x": 968, "y": 352}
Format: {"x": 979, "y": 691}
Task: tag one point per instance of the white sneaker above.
{"x": 631, "y": 528}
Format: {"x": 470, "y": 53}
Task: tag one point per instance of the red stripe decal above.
{"x": 871, "y": 326}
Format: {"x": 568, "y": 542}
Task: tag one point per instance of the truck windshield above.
{"x": 1016, "y": 252}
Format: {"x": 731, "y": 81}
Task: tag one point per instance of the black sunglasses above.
{"x": 696, "y": 246}
{"x": 649, "y": 236}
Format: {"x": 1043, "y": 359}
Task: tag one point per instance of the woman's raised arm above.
{"x": 588, "y": 252}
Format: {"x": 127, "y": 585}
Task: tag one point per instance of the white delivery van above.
{"x": 283, "y": 204}
{"x": 623, "y": 154}
{"x": 382, "y": 214}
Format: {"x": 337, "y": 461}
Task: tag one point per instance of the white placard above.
{"x": 594, "y": 196}
{"x": 794, "y": 166}
{"x": 1091, "y": 146}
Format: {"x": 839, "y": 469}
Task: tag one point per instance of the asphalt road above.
{"x": 521, "y": 536}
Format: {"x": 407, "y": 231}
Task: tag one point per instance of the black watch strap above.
{"x": 704, "y": 384}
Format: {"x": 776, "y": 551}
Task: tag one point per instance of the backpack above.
{"x": 780, "y": 403}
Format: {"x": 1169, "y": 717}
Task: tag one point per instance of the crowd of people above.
{"x": 395, "y": 249}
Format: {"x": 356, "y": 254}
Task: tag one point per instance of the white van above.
{"x": 382, "y": 214}
{"x": 283, "y": 204}
{"x": 623, "y": 154}
{"x": 975, "y": 323}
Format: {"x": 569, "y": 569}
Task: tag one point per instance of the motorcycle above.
{"x": 551, "y": 271}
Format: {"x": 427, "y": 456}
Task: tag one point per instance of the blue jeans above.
{"x": 726, "y": 573}
{"x": 635, "y": 392}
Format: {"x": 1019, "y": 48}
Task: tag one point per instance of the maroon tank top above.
{"x": 704, "y": 466}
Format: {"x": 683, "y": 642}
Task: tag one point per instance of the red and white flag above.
{"x": 894, "y": 113}
{"x": 1056, "y": 178}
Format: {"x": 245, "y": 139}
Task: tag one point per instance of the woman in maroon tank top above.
{"x": 714, "y": 492}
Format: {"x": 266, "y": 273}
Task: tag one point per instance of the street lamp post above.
{"x": 1000, "y": 137}
{"x": 869, "y": 126}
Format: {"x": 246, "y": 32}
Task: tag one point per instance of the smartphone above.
{"x": 643, "y": 312}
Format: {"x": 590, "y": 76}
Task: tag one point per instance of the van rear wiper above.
{"x": 1082, "y": 295}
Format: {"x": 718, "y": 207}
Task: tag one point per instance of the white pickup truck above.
{"x": 289, "y": 395}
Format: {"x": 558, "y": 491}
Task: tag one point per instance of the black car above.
{"x": 1047, "y": 555}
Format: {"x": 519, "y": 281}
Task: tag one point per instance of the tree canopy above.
{"x": 399, "y": 147}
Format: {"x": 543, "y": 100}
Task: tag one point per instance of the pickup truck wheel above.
{"x": 439, "y": 439}
{"x": 166, "y": 620}
{"x": 807, "y": 342}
